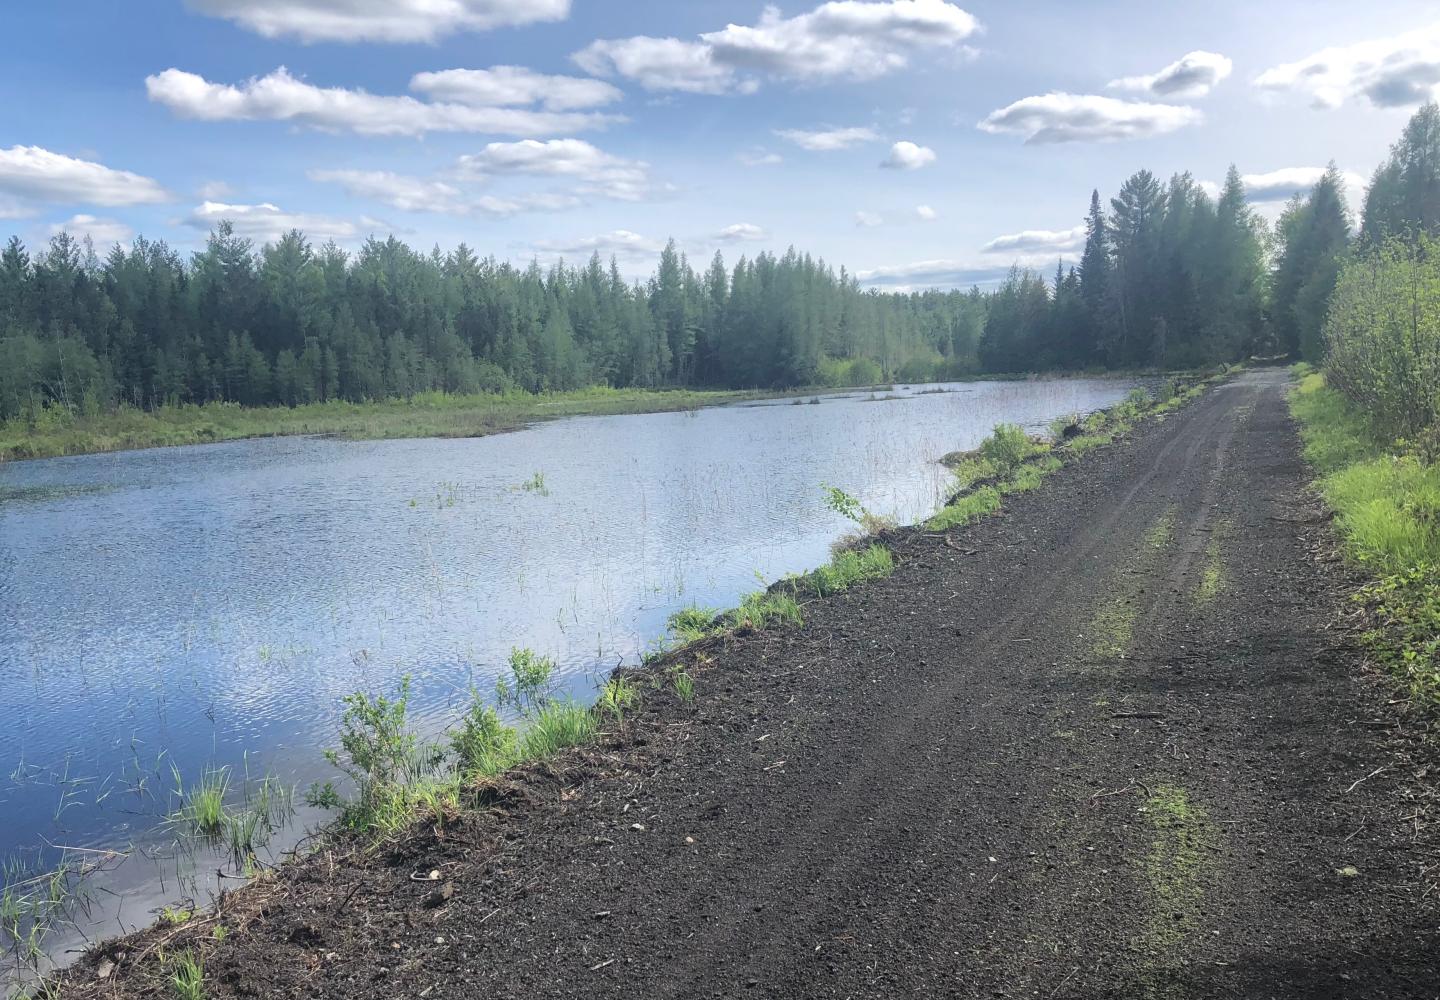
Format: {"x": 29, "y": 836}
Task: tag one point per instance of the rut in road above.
{"x": 1101, "y": 745}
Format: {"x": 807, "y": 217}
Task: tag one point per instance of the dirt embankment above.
{"x": 1106, "y": 743}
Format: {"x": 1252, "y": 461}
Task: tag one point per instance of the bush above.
{"x": 1008, "y": 446}
{"x": 483, "y": 744}
{"x": 1383, "y": 340}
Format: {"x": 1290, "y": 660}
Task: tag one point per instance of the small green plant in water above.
{"x": 536, "y": 484}
{"x": 530, "y": 681}
{"x": 204, "y": 805}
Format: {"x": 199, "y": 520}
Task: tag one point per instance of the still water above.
{"x": 173, "y": 610}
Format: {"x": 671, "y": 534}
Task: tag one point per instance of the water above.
{"x": 208, "y": 606}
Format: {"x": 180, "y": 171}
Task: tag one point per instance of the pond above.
{"x": 167, "y": 611}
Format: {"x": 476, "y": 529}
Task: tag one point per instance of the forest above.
{"x": 1169, "y": 278}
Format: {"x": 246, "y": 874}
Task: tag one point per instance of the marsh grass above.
{"x": 203, "y": 808}
{"x": 557, "y": 725}
{"x": 848, "y": 568}
{"x": 760, "y": 611}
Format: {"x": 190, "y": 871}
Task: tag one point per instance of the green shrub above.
{"x": 530, "y": 681}
{"x": 1008, "y": 446}
{"x": 484, "y": 745}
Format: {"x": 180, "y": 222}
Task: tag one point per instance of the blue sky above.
{"x": 918, "y": 142}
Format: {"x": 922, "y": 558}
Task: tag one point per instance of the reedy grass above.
{"x": 204, "y": 804}
{"x": 761, "y": 611}
{"x": 684, "y": 686}
{"x": 187, "y": 976}
{"x": 559, "y": 724}
{"x": 848, "y": 568}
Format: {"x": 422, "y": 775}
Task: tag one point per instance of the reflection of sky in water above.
{"x": 215, "y": 601}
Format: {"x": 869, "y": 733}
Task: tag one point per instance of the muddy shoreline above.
{"x": 1105, "y": 742}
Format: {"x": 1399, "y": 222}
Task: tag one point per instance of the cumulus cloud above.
{"x": 1394, "y": 72}
{"x": 741, "y": 232}
{"x": 1037, "y": 241}
{"x": 1059, "y": 117}
{"x": 597, "y": 171}
{"x": 617, "y": 242}
{"x": 931, "y": 274}
{"x": 369, "y": 21}
{"x": 279, "y": 96}
{"x": 1194, "y": 74}
{"x": 512, "y": 86}
{"x": 30, "y": 172}
{"x": 760, "y": 158}
{"x": 925, "y": 213}
{"x": 868, "y": 220}
{"x": 102, "y": 233}
{"x": 409, "y": 194}
{"x": 908, "y": 156}
{"x": 827, "y": 140}
{"x": 839, "y": 40}
{"x": 1283, "y": 184}
{"x": 266, "y": 223}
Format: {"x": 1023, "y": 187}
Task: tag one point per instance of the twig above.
{"x": 597, "y": 968}
{"x": 1366, "y": 778}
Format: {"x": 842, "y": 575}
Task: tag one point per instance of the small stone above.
{"x": 689, "y": 840}
{"x": 1349, "y": 871}
{"x": 639, "y": 827}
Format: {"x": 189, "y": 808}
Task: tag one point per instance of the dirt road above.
{"x": 1104, "y": 744}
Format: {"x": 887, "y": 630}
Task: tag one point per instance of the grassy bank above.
{"x": 55, "y": 431}
{"x": 1386, "y": 499}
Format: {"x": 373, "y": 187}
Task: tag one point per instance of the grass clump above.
{"x": 684, "y": 686}
{"x": 204, "y": 804}
{"x": 695, "y": 623}
{"x": 850, "y": 567}
{"x": 761, "y": 610}
{"x": 1181, "y": 836}
{"x": 484, "y": 745}
{"x": 1008, "y": 446}
{"x": 555, "y": 726}
{"x": 965, "y": 509}
{"x": 187, "y": 976}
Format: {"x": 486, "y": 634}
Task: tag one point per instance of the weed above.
{"x": 204, "y": 804}
{"x": 1007, "y": 446}
{"x": 536, "y": 484}
{"x": 557, "y": 725}
{"x": 760, "y": 610}
{"x": 965, "y": 509}
{"x": 684, "y": 686}
{"x": 530, "y": 681}
{"x": 617, "y": 697}
{"x": 187, "y": 976}
{"x": 484, "y": 745}
{"x": 849, "y": 568}
{"x": 694, "y": 623}
{"x": 176, "y": 915}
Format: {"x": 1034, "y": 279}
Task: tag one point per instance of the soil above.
{"x": 1116, "y": 741}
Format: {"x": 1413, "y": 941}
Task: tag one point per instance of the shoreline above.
{"x": 1025, "y": 476}
{"x": 429, "y": 415}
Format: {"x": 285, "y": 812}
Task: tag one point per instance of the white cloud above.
{"x": 839, "y": 40}
{"x": 908, "y": 156}
{"x": 827, "y": 140}
{"x": 214, "y": 191}
{"x": 409, "y": 194}
{"x": 868, "y": 220}
{"x": 1282, "y": 184}
{"x": 543, "y": 202}
{"x": 1394, "y": 72}
{"x": 661, "y": 64}
{"x": 1037, "y": 241}
{"x": 599, "y": 172}
{"x": 931, "y": 274}
{"x": 282, "y": 97}
{"x": 511, "y": 86}
{"x": 742, "y": 232}
{"x": 617, "y": 242}
{"x": 1194, "y": 74}
{"x": 925, "y": 213}
{"x": 372, "y": 21}
{"x": 760, "y": 158}
{"x": 1059, "y": 117}
{"x": 103, "y": 233}
{"x": 266, "y": 223}
{"x": 30, "y": 172}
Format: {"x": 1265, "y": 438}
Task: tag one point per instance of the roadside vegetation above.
{"x": 1369, "y": 409}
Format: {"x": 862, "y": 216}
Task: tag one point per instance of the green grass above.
{"x": 557, "y": 725}
{"x": 204, "y": 806}
{"x": 1182, "y": 837}
{"x": 965, "y": 509}
{"x": 684, "y": 686}
{"x": 849, "y": 568}
{"x": 1387, "y": 506}
{"x": 187, "y": 976}
{"x": 431, "y": 414}
{"x": 694, "y": 623}
{"x": 761, "y": 611}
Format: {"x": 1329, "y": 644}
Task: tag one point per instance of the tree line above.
{"x": 1169, "y": 277}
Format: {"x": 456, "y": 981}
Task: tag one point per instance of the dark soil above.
{"x": 1115, "y": 741}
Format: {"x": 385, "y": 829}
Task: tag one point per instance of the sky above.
{"x": 919, "y": 143}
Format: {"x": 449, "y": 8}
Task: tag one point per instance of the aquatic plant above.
{"x": 530, "y": 681}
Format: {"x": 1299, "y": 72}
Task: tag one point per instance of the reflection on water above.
{"x": 208, "y": 606}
